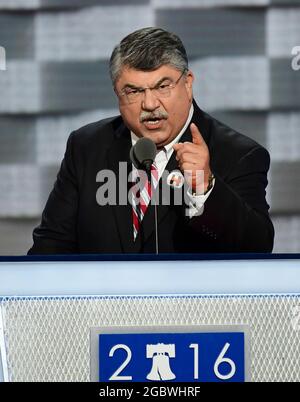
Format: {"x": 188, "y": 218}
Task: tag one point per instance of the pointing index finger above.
{"x": 196, "y": 135}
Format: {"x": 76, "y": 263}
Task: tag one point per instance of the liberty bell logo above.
{"x": 160, "y": 355}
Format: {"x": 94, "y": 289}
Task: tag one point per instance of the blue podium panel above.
{"x": 182, "y": 354}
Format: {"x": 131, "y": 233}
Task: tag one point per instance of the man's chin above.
{"x": 159, "y": 138}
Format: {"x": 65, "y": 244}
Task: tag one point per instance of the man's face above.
{"x": 154, "y": 115}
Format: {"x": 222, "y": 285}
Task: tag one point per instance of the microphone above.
{"x": 142, "y": 155}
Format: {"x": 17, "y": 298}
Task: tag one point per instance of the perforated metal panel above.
{"x": 47, "y": 339}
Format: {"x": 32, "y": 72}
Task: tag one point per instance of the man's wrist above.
{"x": 210, "y": 183}
{"x": 209, "y": 186}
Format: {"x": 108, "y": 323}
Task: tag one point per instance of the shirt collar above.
{"x": 169, "y": 147}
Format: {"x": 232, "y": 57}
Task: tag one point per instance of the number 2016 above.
{"x": 195, "y": 346}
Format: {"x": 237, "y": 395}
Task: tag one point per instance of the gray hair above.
{"x": 148, "y": 49}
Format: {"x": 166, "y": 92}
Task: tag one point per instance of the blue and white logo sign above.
{"x": 211, "y": 354}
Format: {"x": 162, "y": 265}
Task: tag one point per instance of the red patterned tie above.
{"x": 141, "y": 199}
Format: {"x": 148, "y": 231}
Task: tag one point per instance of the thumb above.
{"x": 196, "y": 135}
{"x": 177, "y": 146}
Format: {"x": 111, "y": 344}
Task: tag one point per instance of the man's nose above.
{"x": 150, "y": 101}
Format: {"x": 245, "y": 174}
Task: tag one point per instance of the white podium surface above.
{"x": 149, "y": 277}
{"x": 273, "y": 287}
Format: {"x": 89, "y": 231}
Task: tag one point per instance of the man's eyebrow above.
{"x": 162, "y": 80}
{"x": 129, "y": 85}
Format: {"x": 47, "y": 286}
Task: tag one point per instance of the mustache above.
{"x": 158, "y": 114}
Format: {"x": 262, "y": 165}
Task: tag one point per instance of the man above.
{"x": 151, "y": 78}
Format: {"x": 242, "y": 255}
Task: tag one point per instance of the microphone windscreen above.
{"x": 142, "y": 154}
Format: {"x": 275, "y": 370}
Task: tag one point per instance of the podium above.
{"x": 49, "y": 304}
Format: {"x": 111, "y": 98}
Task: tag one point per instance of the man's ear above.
{"x": 189, "y": 79}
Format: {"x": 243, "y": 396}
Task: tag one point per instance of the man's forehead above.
{"x": 146, "y": 78}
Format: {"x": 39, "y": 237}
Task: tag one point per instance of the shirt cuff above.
{"x": 196, "y": 204}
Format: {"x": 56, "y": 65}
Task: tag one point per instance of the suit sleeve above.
{"x": 235, "y": 217}
{"x": 57, "y": 232}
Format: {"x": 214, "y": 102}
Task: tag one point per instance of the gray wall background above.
{"x": 57, "y": 80}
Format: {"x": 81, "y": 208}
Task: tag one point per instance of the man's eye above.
{"x": 164, "y": 86}
{"x": 131, "y": 91}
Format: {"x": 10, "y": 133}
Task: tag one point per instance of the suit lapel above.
{"x": 119, "y": 152}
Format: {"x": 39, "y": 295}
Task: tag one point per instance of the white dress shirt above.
{"x": 196, "y": 204}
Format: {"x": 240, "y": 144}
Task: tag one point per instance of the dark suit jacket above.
{"x": 235, "y": 217}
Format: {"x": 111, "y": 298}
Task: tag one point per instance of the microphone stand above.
{"x": 156, "y": 223}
